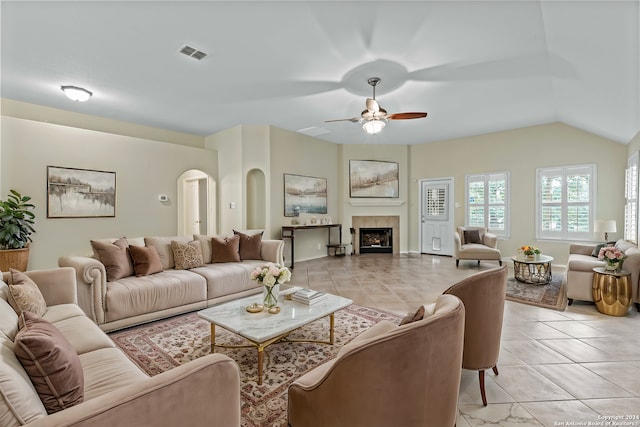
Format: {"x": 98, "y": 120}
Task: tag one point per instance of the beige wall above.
{"x": 144, "y": 170}
{"x": 634, "y": 145}
{"x": 299, "y": 154}
{"x": 520, "y": 152}
{"x": 377, "y": 207}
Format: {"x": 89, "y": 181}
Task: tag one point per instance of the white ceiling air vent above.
{"x": 313, "y": 131}
{"x": 193, "y": 52}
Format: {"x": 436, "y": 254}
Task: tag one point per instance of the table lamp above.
{"x": 605, "y": 226}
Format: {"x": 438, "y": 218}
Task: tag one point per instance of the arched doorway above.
{"x": 196, "y": 203}
{"x": 256, "y": 202}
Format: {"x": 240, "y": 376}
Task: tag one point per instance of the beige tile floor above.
{"x": 556, "y": 368}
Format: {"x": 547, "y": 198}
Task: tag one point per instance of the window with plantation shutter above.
{"x": 631, "y": 200}
{"x": 487, "y": 202}
{"x": 565, "y": 202}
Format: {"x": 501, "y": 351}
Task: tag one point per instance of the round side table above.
{"x": 612, "y": 291}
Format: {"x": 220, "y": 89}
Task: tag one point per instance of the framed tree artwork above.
{"x": 304, "y": 194}
{"x": 373, "y": 178}
{"x": 80, "y": 193}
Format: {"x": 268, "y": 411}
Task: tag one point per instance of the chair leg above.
{"x": 458, "y": 262}
{"x": 495, "y": 370}
{"x": 500, "y": 262}
{"x": 482, "y": 393}
{"x": 571, "y": 302}
{"x": 478, "y": 263}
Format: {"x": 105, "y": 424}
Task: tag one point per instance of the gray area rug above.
{"x": 552, "y": 295}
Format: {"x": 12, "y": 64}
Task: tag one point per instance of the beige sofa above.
{"x": 204, "y": 392}
{"x": 580, "y": 270}
{"x": 134, "y": 300}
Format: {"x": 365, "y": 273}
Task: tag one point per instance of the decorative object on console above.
{"x": 80, "y": 193}
{"x": 605, "y": 226}
{"x": 16, "y": 227}
{"x": 612, "y": 256}
{"x": 304, "y": 194}
{"x": 270, "y": 276}
{"x": 373, "y": 178}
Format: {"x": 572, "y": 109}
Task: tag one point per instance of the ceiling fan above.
{"x": 375, "y": 118}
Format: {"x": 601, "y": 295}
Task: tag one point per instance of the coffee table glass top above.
{"x": 260, "y": 327}
{"x": 537, "y": 260}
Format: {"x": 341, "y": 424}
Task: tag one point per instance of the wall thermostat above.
{"x": 163, "y": 197}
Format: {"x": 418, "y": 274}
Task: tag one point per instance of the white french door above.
{"x": 436, "y": 216}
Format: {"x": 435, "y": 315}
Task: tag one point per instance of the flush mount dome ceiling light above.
{"x": 75, "y": 93}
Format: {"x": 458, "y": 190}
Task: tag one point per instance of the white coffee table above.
{"x": 263, "y": 329}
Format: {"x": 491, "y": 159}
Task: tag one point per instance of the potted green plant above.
{"x": 16, "y": 227}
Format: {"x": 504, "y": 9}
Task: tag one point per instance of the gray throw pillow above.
{"x": 472, "y": 236}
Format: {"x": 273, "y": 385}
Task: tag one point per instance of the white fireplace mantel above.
{"x": 375, "y": 202}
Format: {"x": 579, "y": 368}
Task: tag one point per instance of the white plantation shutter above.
{"x": 565, "y": 202}
{"x": 487, "y": 202}
{"x": 631, "y": 200}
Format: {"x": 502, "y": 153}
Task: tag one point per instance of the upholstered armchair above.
{"x": 389, "y": 375}
{"x": 483, "y": 295}
{"x": 475, "y": 243}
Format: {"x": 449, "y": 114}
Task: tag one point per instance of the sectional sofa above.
{"x": 73, "y": 374}
{"x": 115, "y": 301}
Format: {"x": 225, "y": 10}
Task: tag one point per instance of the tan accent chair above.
{"x": 486, "y": 250}
{"x": 483, "y": 295}
{"x": 389, "y": 375}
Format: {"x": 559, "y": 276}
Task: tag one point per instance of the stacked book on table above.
{"x": 308, "y": 296}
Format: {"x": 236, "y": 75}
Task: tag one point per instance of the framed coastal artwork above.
{"x": 80, "y": 193}
{"x": 373, "y": 178}
{"x": 304, "y": 194}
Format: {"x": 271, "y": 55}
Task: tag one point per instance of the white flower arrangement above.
{"x": 271, "y": 273}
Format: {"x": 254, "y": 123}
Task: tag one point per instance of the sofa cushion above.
{"x": 228, "y": 278}
{"x": 250, "y": 245}
{"x": 225, "y": 249}
{"x": 51, "y": 363}
{"x": 134, "y": 296}
{"x": 115, "y": 257}
{"x": 579, "y": 262}
{"x": 19, "y": 402}
{"x": 187, "y": 255}
{"x": 163, "y": 246}
{"x": 8, "y": 316}
{"x": 106, "y": 370}
{"x": 83, "y": 335}
{"x": 24, "y": 294}
{"x": 146, "y": 260}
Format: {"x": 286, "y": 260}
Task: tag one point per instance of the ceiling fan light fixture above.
{"x": 75, "y": 93}
{"x": 373, "y": 127}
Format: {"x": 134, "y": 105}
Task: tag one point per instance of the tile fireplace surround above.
{"x": 381, "y": 221}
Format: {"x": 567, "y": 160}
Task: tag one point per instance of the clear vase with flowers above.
{"x": 270, "y": 276}
{"x": 529, "y": 252}
{"x": 612, "y": 256}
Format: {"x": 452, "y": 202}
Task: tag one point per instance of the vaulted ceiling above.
{"x": 474, "y": 66}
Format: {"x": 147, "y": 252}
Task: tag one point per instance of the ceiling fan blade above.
{"x": 353, "y": 120}
{"x": 372, "y": 105}
{"x": 406, "y": 116}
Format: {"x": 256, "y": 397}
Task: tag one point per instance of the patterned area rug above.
{"x": 552, "y": 295}
{"x": 165, "y": 344}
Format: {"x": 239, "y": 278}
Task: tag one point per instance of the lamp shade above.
{"x": 605, "y": 226}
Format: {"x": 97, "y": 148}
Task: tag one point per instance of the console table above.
{"x": 289, "y": 232}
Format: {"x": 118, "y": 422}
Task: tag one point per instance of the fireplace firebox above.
{"x": 376, "y": 240}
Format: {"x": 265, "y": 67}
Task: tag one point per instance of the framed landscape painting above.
{"x": 80, "y": 193}
{"x": 304, "y": 194}
{"x": 373, "y": 178}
